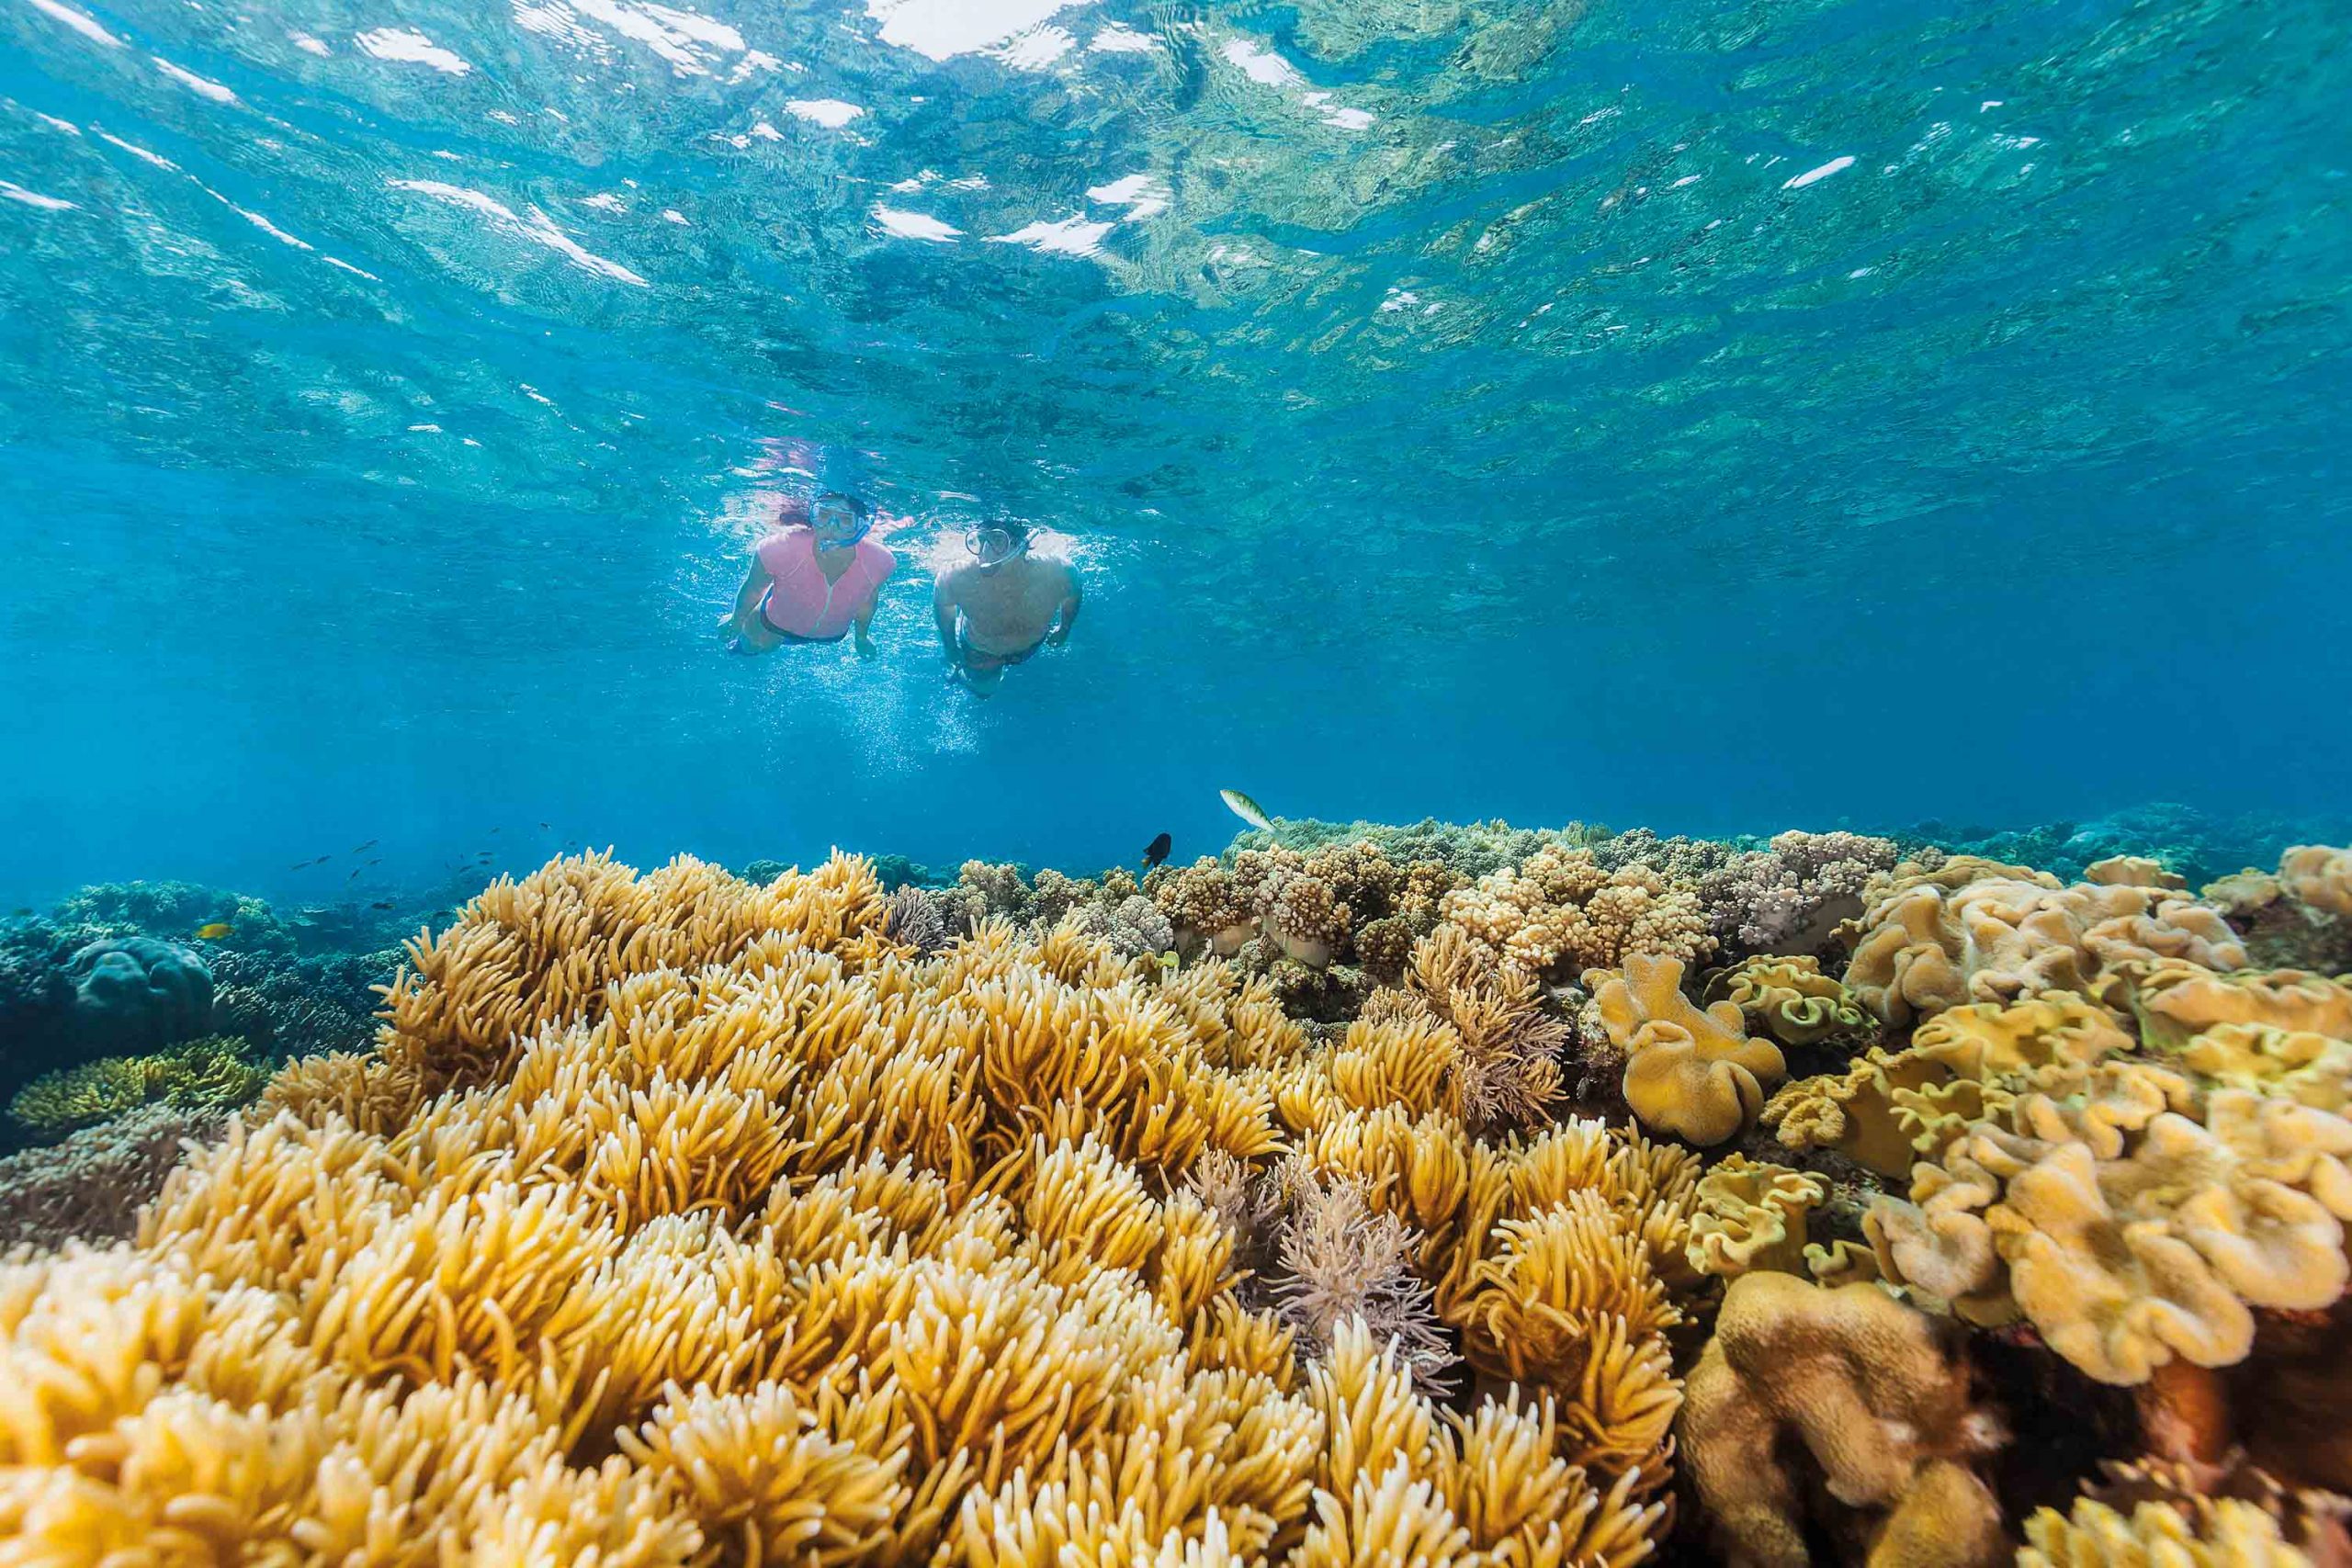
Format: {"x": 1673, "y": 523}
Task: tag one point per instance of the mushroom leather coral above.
{"x": 1689, "y": 1072}
{"x": 1967, "y": 933}
{"x": 2135, "y": 1223}
{"x": 683, "y": 1221}
{"x": 1790, "y": 1000}
{"x": 1750, "y": 1216}
{"x": 1853, "y": 1388}
{"x": 2175, "y": 1001}
{"x": 1890, "y": 1108}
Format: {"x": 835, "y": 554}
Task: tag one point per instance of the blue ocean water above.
{"x": 1717, "y": 417}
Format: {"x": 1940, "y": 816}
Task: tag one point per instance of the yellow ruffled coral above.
{"x": 1689, "y": 1072}
{"x": 2174, "y": 1001}
{"x": 1790, "y": 1000}
{"x": 2319, "y": 876}
{"x": 2134, "y": 1223}
{"x": 1861, "y": 1389}
{"x": 1970, "y": 932}
{"x": 681, "y": 1221}
{"x": 1750, "y": 1216}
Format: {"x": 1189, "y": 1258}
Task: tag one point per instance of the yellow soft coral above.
{"x": 2175, "y": 1001}
{"x": 2128, "y": 1230}
{"x": 1970, "y": 933}
{"x": 1694, "y": 1074}
{"x": 677, "y": 1221}
{"x": 214, "y": 1071}
{"x": 1750, "y": 1216}
{"x": 1864, "y": 1390}
{"x": 1888, "y": 1109}
{"x": 1790, "y": 1000}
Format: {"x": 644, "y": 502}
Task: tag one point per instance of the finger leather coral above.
{"x": 1689, "y": 1072}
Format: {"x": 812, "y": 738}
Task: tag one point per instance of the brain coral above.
{"x": 1691, "y": 1073}
{"x": 137, "y": 993}
{"x": 1929, "y": 942}
{"x": 677, "y": 1221}
{"x": 1849, "y": 1400}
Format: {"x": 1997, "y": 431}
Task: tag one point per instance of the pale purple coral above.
{"x": 91, "y": 1186}
{"x": 1790, "y": 897}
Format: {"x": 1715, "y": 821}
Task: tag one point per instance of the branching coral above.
{"x": 1977, "y": 931}
{"x": 1694, "y": 1074}
{"x": 1562, "y": 911}
{"x": 677, "y": 1221}
{"x": 1855, "y": 1388}
{"x": 1790, "y": 897}
{"x": 90, "y": 1185}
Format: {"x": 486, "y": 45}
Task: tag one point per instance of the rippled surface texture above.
{"x": 1713, "y": 415}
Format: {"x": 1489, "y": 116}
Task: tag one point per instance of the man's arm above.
{"x": 1072, "y": 599}
{"x": 943, "y": 613}
{"x": 746, "y": 598}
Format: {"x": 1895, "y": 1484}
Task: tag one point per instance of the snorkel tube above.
{"x": 827, "y": 512}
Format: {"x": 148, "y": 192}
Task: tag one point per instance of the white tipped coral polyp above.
{"x": 679, "y": 1221}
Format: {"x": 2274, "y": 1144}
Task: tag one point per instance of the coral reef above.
{"x": 90, "y": 1186}
{"x": 674, "y": 1220}
{"x": 1689, "y": 1072}
{"x": 1890, "y": 1108}
{"x": 2300, "y": 917}
{"x": 1848, "y": 1399}
{"x": 1561, "y": 912}
{"x": 1972, "y": 931}
{"x": 214, "y": 1073}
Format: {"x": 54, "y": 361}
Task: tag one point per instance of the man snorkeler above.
{"x": 1011, "y": 604}
{"x": 811, "y": 581}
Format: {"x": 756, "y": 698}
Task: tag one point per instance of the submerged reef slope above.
{"x": 675, "y": 1219}
{"x": 1632, "y": 1199}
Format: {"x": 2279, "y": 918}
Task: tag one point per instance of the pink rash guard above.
{"x": 800, "y": 603}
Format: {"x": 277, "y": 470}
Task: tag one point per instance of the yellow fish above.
{"x": 214, "y": 932}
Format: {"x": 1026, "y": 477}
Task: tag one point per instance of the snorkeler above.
{"x": 813, "y": 581}
{"x": 1009, "y": 602}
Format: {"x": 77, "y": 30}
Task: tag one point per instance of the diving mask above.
{"x": 992, "y": 546}
{"x": 838, "y": 518}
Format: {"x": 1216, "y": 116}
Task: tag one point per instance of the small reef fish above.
{"x": 363, "y": 848}
{"x": 381, "y": 904}
{"x": 1155, "y": 852}
{"x": 355, "y": 874}
{"x": 213, "y": 931}
{"x": 1169, "y": 962}
{"x": 1248, "y": 811}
